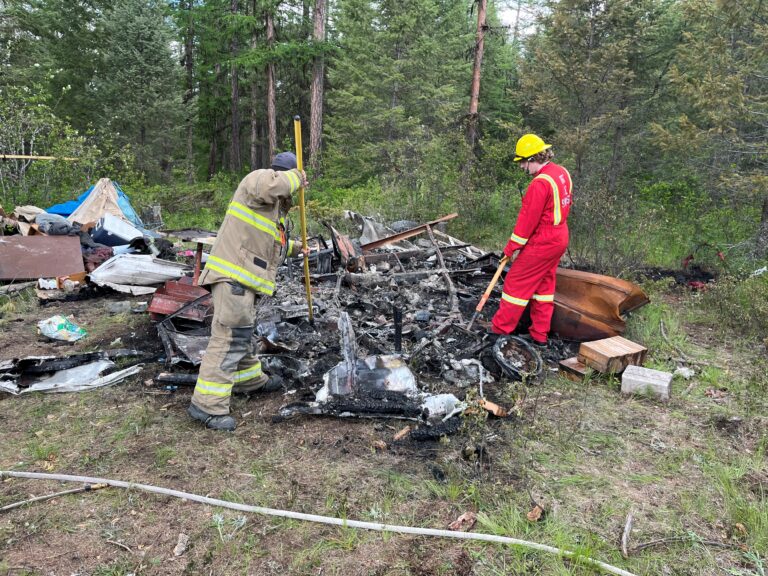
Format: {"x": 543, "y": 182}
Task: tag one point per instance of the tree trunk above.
{"x": 235, "y": 163}
{"x": 316, "y": 105}
{"x": 305, "y": 19}
{"x": 254, "y": 152}
{"x": 254, "y": 155}
{"x": 762, "y": 233}
{"x": 271, "y": 112}
{"x": 516, "y": 30}
{"x": 474, "y": 96}
{"x": 214, "y": 149}
{"x": 189, "y": 92}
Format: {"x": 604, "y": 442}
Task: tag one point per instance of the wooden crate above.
{"x": 573, "y": 369}
{"x": 612, "y": 355}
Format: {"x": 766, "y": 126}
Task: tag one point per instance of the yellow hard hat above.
{"x": 529, "y": 145}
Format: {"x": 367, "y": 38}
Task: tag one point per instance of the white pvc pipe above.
{"x": 322, "y": 519}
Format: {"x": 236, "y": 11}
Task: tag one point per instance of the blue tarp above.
{"x": 66, "y": 208}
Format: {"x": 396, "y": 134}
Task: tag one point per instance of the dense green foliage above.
{"x": 658, "y": 108}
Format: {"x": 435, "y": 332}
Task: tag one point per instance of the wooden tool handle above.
{"x": 499, "y": 270}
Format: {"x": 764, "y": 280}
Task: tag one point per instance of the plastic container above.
{"x": 112, "y": 231}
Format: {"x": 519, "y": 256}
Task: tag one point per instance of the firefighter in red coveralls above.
{"x": 541, "y": 236}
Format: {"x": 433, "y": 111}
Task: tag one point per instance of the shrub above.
{"x": 738, "y": 305}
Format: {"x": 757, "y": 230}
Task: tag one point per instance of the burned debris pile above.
{"x": 390, "y": 336}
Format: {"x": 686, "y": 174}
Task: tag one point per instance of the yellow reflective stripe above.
{"x": 256, "y": 220}
{"x": 518, "y": 239}
{"x": 294, "y": 180}
{"x": 213, "y": 388}
{"x": 249, "y": 373}
{"x": 556, "y": 192}
{"x": 290, "y": 247}
{"x": 512, "y": 300}
{"x": 240, "y": 274}
{"x": 544, "y": 297}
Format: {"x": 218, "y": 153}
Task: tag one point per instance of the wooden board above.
{"x": 572, "y": 369}
{"x": 32, "y": 257}
{"x": 612, "y": 355}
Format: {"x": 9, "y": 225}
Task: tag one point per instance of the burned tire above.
{"x": 518, "y": 358}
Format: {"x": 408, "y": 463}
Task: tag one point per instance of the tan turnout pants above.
{"x": 229, "y": 361}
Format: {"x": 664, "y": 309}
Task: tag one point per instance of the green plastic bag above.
{"x": 60, "y": 328}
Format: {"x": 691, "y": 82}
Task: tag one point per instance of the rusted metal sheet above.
{"x": 591, "y": 306}
{"x": 407, "y": 234}
{"x": 32, "y": 257}
{"x": 172, "y": 296}
{"x": 351, "y": 259}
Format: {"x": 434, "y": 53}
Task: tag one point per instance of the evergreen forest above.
{"x": 657, "y": 107}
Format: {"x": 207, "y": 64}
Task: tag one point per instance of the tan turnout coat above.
{"x": 251, "y": 241}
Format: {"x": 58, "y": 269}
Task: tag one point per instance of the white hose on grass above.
{"x": 322, "y": 519}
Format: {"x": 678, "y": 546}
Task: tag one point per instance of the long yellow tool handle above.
{"x": 303, "y": 214}
{"x": 484, "y": 299}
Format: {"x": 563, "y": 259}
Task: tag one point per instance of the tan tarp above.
{"x": 26, "y": 213}
{"x": 101, "y": 200}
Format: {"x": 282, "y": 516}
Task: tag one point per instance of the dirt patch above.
{"x": 20, "y": 338}
{"x": 587, "y": 454}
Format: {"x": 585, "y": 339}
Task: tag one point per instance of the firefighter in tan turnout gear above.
{"x": 241, "y": 269}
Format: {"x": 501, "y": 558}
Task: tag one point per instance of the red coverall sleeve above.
{"x": 534, "y": 203}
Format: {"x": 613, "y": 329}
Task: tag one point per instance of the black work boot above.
{"x": 223, "y": 422}
{"x": 274, "y": 384}
{"x": 536, "y": 344}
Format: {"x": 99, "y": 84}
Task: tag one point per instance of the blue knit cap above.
{"x": 284, "y": 161}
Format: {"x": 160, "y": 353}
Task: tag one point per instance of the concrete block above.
{"x": 639, "y": 380}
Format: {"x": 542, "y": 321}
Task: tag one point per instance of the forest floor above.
{"x": 692, "y": 472}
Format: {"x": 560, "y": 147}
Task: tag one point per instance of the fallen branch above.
{"x": 625, "y": 536}
{"x": 684, "y": 358}
{"x": 697, "y": 363}
{"x": 678, "y": 539}
{"x": 119, "y": 544}
{"x": 86, "y": 488}
{"x": 682, "y": 354}
{"x": 343, "y": 522}
{"x": 11, "y": 288}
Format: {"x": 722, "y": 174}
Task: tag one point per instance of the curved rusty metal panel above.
{"x": 591, "y": 306}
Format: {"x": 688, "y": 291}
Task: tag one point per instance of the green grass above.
{"x": 119, "y": 568}
{"x": 163, "y": 455}
{"x": 348, "y": 540}
{"x": 741, "y": 504}
{"x": 41, "y": 450}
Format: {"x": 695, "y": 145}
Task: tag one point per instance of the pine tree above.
{"x": 399, "y": 77}
{"x": 593, "y": 78}
{"x": 55, "y": 44}
{"x": 720, "y": 82}
{"x": 137, "y": 88}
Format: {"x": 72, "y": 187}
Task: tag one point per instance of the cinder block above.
{"x": 639, "y": 380}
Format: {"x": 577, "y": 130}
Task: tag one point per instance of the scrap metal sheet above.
{"x": 32, "y": 257}
{"x": 591, "y": 306}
